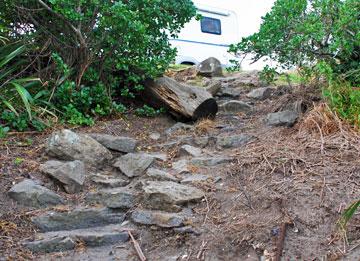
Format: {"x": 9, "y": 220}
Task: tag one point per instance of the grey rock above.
{"x": 233, "y": 141}
{"x": 65, "y": 240}
{"x": 158, "y": 218}
{"x": 187, "y": 230}
{"x": 229, "y": 92}
{"x": 114, "y": 198}
{"x": 109, "y": 181}
{"x": 67, "y": 145}
{"x": 210, "y": 67}
{"x": 195, "y": 178}
{"x": 213, "y": 87}
{"x": 188, "y": 150}
{"x": 134, "y": 164}
{"x": 181, "y": 166}
{"x": 49, "y": 245}
{"x": 78, "y": 218}
{"x": 117, "y": 143}
{"x": 160, "y": 175}
{"x": 235, "y": 107}
{"x": 260, "y": 93}
{"x": 283, "y": 118}
{"x": 165, "y": 195}
{"x": 155, "y": 136}
{"x": 210, "y": 161}
{"x": 159, "y": 156}
{"x": 28, "y": 193}
{"x": 178, "y": 126}
{"x": 71, "y": 174}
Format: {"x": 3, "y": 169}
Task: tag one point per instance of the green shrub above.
{"x": 302, "y": 33}
{"x": 3, "y": 131}
{"x": 148, "y": 111}
{"x": 115, "y": 43}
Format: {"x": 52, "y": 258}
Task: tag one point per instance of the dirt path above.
{"x": 257, "y": 180}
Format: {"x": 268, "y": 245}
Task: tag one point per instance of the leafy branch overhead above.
{"x": 90, "y": 53}
{"x": 302, "y": 33}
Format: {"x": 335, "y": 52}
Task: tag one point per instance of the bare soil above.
{"x": 299, "y": 178}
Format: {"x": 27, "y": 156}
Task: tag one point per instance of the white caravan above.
{"x": 209, "y": 37}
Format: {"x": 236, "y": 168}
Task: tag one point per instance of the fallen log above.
{"x": 183, "y": 101}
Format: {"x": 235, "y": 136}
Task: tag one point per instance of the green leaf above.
{"x": 25, "y": 97}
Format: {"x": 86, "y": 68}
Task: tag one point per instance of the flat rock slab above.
{"x": 188, "y": 150}
{"x": 233, "y": 141}
{"x": 260, "y": 93}
{"x": 71, "y": 174}
{"x": 109, "y": 181}
{"x": 68, "y": 145}
{"x": 28, "y": 193}
{"x": 157, "y": 174}
{"x": 78, "y": 218}
{"x": 114, "y": 198}
{"x": 66, "y": 240}
{"x": 234, "y": 106}
{"x": 196, "y": 178}
{"x": 282, "y": 118}
{"x": 165, "y": 195}
{"x": 158, "y": 218}
{"x": 117, "y": 143}
{"x": 210, "y": 161}
{"x": 181, "y": 166}
{"x": 134, "y": 164}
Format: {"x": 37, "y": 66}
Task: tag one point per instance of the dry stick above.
{"x": 202, "y": 249}
{"x": 137, "y": 247}
{"x": 280, "y": 242}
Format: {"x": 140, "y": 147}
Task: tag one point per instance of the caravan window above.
{"x": 210, "y": 25}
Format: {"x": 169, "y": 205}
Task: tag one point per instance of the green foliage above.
{"x": 148, "y": 111}
{"x": 302, "y": 33}
{"x": 87, "y": 54}
{"x": 268, "y": 74}
{"x": 348, "y": 214}
{"x": 120, "y": 43}
{"x": 3, "y": 131}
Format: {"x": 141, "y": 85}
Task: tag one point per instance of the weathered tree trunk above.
{"x": 183, "y": 101}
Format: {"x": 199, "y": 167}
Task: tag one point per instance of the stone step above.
{"x": 78, "y": 218}
{"x": 68, "y": 239}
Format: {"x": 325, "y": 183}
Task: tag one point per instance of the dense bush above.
{"x": 322, "y": 39}
{"x": 302, "y": 33}
{"x": 87, "y": 51}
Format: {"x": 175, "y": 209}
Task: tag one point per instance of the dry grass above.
{"x": 204, "y": 126}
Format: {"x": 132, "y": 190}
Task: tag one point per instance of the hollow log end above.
{"x": 206, "y": 109}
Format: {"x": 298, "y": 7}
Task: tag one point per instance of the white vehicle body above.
{"x": 210, "y": 37}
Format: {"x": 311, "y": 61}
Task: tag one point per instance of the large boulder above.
{"x": 28, "y": 193}
{"x": 210, "y": 67}
{"x": 117, "y": 143}
{"x": 68, "y": 145}
{"x": 167, "y": 195}
{"x": 134, "y": 164}
{"x": 282, "y": 118}
{"x": 71, "y": 174}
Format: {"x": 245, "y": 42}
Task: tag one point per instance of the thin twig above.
{"x": 137, "y": 247}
